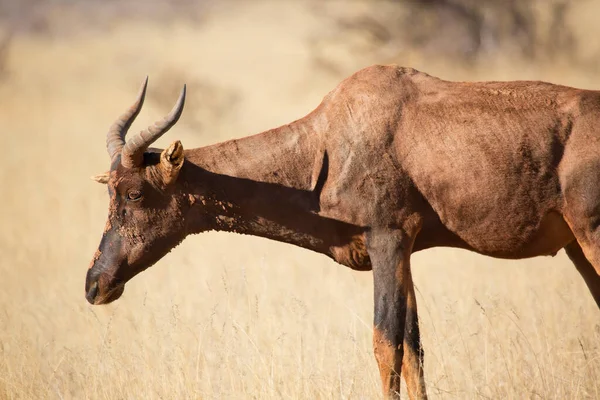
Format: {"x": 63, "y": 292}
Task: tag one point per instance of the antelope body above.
{"x": 391, "y": 162}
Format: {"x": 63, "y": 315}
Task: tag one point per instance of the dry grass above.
{"x": 225, "y": 316}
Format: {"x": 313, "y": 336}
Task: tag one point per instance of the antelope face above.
{"x": 145, "y": 218}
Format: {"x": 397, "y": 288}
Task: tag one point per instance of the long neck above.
{"x": 265, "y": 185}
{"x": 282, "y": 156}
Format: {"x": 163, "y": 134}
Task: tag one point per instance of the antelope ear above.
{"x": 171, "y": 161}
{"x": 102, "y": 178}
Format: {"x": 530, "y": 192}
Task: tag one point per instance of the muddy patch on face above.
{"x": 107, "y": 226}
{"x": 97, "y": 255}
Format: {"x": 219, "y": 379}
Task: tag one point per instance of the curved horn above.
{"x": 115, "y": 138}
{"x": 133, "y": 151}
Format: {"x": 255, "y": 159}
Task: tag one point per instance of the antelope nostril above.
{"x": 92, "y": 293}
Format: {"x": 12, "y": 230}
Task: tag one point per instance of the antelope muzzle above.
{"x": 101, "y": 288}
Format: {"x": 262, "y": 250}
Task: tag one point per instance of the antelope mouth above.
{"x": 96, "y": 296}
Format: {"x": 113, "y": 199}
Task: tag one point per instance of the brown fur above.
{"x": 386, "y": 355}
{"x": 392, "y": 161}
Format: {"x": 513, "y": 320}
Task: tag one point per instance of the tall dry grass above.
{"x": 225, "y": 316}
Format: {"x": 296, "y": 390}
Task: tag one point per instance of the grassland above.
{"x": 226, "y": 316}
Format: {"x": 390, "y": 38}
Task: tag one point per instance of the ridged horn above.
{"x": 115, "y": 138}
{"x": 132, "y": 154}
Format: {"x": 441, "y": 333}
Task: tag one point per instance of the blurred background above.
{"x": 229, "y": 317}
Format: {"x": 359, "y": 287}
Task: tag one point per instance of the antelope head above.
{"x": 145, "y": 213}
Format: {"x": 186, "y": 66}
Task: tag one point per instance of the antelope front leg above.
{"x": 390, "y": 256}
{"x": 412, "y": 360}
{"x": 585, "y": 268}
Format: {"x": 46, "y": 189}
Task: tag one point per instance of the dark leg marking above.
{"x": 396, "y": 340}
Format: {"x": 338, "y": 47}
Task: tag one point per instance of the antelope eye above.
{"x": 134, "y": 195}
